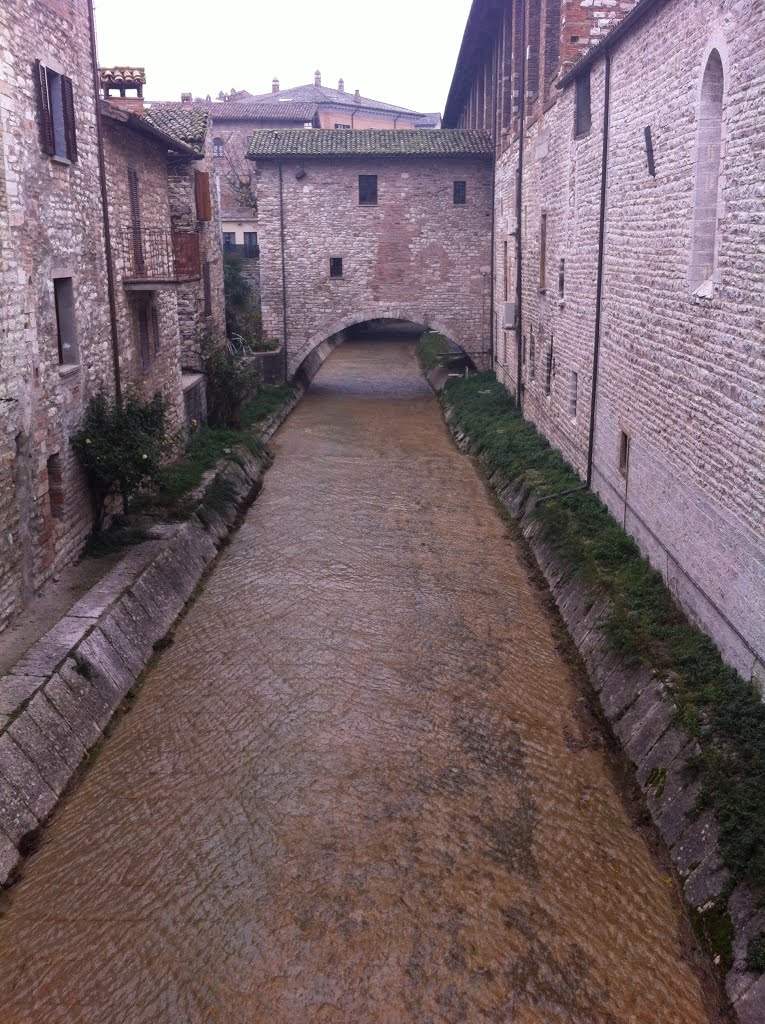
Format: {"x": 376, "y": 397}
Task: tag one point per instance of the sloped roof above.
{"x": 125, "y": 116}
{"x": 187, "y": 124}
{"x": 250, "y": 110}
{"x": 322, "y": 142}
{"x": 322, "y": 94}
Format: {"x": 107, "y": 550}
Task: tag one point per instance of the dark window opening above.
{"x": 335, "y": 266}
{"x": 155, "y": 330}
{"x": 573, "y": 397}
{"x": 533, "y": 357}
{"x": 63, "y": 290}
{"x": 561, "y": 278}
{"x": 218, "y": 148}
{"x": 549, "y": 367}
{"x": 367, "y": 190}
{"x": 207, "y": 289}
{"x": 56, "y": 487}
{"x": 460, "y": 193}
{"x": 342, "y": 126}
{"x": 543, "y": 252}
{"x": 229, "y": 240}
{"x": 143, "y": 337}
{"x": 251, "y": 250}
{"x": 624, "y": 453}
{"x": 55, "y": 105}
{"x": 583, "y": 114}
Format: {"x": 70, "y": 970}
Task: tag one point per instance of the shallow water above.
{"x": 356, "y": 789}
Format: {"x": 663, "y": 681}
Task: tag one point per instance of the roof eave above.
{"x": 133, "y": 120}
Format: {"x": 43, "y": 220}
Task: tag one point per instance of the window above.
{"x": 55, "y": 108}
{"x": 532, "y": 357}
{"x": 707, "y": 177}
{"x": 573, "y": 395}
{"x": 367, "y": 190}
{"x": 207, "y": 284}
{"x": 56, "y": 487}
{"x": 583, "y": 115}
{"x": 624, "y": 453}
{"x": 218, "y": 149}
{"x": 143, "y": 336}
{"x": 347, "y": 126}
{"x": 229, "y": 240}
{"x": 251, "y": 250}
{"x": 202, "y": 195}
{"x": 335, "y": 266}
{"x": 63, "y": 290}
{"x": 155, "y": 329}
{"x": 460, "y": 193}
{"x": 542, "y": 252}
{"x": 549, "y": 367}
{"x": 561, "y": 279}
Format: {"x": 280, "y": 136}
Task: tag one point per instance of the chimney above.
{"x": 341, "y": 86}
{"x": 275, "y": 85}
{"x": 185, "y": 97}
{"x": 123, "y": 82}
{"x": 317, "y": 78}
{"x": 357, "y": 97}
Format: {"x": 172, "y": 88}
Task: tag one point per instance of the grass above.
{"x": 431, "y": 349}
{"x": 724, "y": 712}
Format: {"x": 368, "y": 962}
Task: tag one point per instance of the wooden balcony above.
{"x": 154, "y": 258}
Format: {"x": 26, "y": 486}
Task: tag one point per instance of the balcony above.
{"x": 248, "y": 251}
{"x": 152, "y": 258}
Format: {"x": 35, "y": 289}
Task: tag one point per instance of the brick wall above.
{"x": 50, "y": 225}
{"x": 413, "y": 256}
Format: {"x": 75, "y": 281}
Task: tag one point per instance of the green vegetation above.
{"x": 714, "y": 929}
{"x": 243, "y": 319}
{"x": 231, "y": 382}
{"x": 721, "y": 710}
{"x": 431, "y": 350}
{"x": 120, "y": 447}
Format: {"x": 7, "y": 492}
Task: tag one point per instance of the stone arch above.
{"x": 320, "y": 341}
{"x": 708, "y": 164}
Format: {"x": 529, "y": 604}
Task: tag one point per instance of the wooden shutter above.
{"x": 155, "y": 329}
{"x": 43, "y": 108}
{"x": 207, "y": 288}
{"x": 202, "y": 189}
{"x": 70, "y": 130}
{"x": 135, "y": 219}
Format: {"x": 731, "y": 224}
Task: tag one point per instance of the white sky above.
{"x": 400, "y": 51}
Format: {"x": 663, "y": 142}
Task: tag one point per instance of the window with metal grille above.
{"x": 367, "y": 190}
{"x": 143, "y": 337}
{"x": 543, "y": 252}
{"x": 218, "y": 148}
{"x": 56, "y": 487}
{"x": 460, "y": 193}
{"x": 624, "y": 453}
{"x": 582, "y": 114}
{"x": 63, "y": 290}
{"x": 573, "y": 396}
{"x": 55, "y": 113}
{"x": 207, "y": 289}
{"x": 155, "y": 330}
{"x": 549, "y": 367}
{"x": 335, "y": 266}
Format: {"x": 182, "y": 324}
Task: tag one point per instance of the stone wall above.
{"x": 50, "y": 226}
{"x": 681, "y": 373}
{"x": 414, "y": 256}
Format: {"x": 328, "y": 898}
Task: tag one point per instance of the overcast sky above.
{"x": 400, "y": 51}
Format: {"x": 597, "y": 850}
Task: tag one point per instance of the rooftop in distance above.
{"x": 267, "y": 144}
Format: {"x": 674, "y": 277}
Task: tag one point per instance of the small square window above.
{"x": 460, "y": 193}
{"x": 63, "y": 290}
{"x": 583, "y": 115}
{"x": 335, "y": 266}
{"x": 367, "y": 190}
{"x": 342, "y": 126}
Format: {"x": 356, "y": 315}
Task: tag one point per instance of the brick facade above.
{"x": 681, "y": 370}
{"x": 51, "y": 227}
{"x": 415, "y": 255}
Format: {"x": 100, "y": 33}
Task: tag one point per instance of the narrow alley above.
{"x": 358, "y": 787}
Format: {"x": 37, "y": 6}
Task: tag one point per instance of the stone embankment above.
{"x": 643, "y": 718}
{"x": 60, "y": 697}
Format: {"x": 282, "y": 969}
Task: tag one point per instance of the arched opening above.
{"x": 380, "y": 330}
{"x": 707, "y": 174}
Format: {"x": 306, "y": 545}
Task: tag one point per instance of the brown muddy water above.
{"x": 356, "y": 789}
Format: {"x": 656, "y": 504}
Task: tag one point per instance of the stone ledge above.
{"x": 641, "y": 714}
{"x": 57, "y": 701}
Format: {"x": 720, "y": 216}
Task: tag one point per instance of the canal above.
{"x": 361, "y": 785}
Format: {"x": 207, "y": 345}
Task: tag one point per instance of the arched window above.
{"x": 707, "y": 183}
{"x": 217, "y": 147}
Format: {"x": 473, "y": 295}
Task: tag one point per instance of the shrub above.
{"x": 231, "y": 381}
{"x": 242, "y": 315}
{"x": 120, "y": 447}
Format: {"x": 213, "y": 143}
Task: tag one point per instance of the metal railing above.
{"x": 249, "y": 251}
{"x": 156, "y": 254}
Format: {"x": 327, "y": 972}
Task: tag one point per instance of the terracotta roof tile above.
{"x": 373, "y": 142}
{"x": 187, "y": 124}
{"x": 249, "y": 110}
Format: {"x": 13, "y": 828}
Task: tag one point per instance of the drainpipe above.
{"x": 519, "y": 214}
{"x": 601, "y": 259}
{"x": 105, "y": 210}
{"x": 284, "y": 269}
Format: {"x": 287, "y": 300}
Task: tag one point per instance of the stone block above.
{"x": 55, "y": 728}
{"x": 80, "y": 704}
{"x": 41, "y": 752}
{"x": 19, "y": 771}
{"x": 15, "y": 689}
{"x": 697, "y": 843}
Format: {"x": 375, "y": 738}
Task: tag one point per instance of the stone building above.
{"x": 55, "y": 334}
{"x": 363, "y": 225}
{"x": 629, "y": 264}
